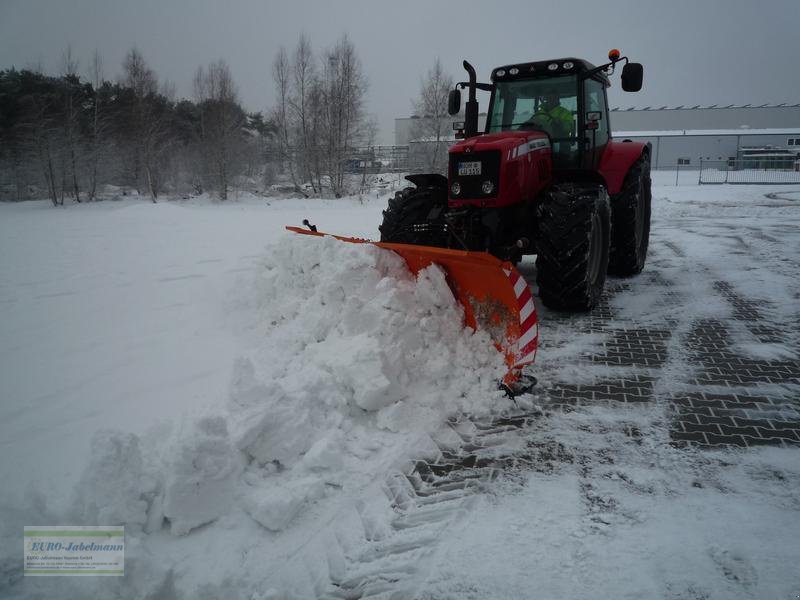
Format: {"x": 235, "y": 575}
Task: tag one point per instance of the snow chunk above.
{"x": 201, "y": 480}
{"x": 275, "y": 507}
{"x": 325, "y": 454}
{"x": 113, "y": 486}
{"x": 357, "y": 364}
{"x": 282, "y": 435}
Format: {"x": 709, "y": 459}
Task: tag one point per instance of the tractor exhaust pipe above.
{"x": 471, "y": 107}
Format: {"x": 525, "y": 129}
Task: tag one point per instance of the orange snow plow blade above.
{"x": 495, "y": 297}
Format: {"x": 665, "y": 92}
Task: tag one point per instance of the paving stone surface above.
{"x": 721, "y": 397}
{"x": 675, "y": 364}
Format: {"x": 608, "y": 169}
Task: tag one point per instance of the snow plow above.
{"x": 544, "y": 178}
{"x": 495, "y": 297}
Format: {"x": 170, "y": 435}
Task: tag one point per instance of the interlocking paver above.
{"x": 721, "y": 401}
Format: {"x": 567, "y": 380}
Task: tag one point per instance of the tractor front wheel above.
{"x": 416, "y": 216}
{"x": 573, "y": 241}
{"x": 630, "y": 218}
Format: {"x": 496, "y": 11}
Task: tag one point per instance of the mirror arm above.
{"x": 602, "y": 68}
{"x": 486, "y": 87}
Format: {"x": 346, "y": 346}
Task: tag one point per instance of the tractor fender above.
{"x": 617, "y": 160}
{"x": 434, "y": 180}
{"x": 579, "y": 176}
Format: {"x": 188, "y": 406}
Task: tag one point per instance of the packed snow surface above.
{"x": 239, "y": 397}
{"x": 344, "y": 359}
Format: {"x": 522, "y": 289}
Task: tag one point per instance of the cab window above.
{"x": 595, "y": 101}
{"x": 517, "y": 104}
{"x": 548, "y": 104}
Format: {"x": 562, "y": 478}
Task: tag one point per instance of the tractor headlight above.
{"x": 487, "y": 187}
{"x": 455, "y": 189}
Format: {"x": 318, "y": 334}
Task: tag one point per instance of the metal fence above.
{"x": 672, "y": 175}
{"x": 377, "y": 159}
{"x": 742, "y": 171}
{"x": 417, "y": 157}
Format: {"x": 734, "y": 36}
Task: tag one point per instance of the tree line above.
{"x": 319, "y": 114}
{"x": 70, "y": 135}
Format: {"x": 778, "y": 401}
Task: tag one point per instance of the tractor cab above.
{"x": 552, "y": 97}
{"x": 564, "y": 98}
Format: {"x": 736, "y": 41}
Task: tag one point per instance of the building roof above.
{"x": 704, "y": 132}
{"x": 712, "y": 106}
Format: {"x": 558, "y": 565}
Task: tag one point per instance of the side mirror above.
{"x": 593, "y": 119}
{"x": 454, "y": 102}
{"x": 632, "y": 74}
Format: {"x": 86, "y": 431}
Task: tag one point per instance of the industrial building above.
{"x": 766, "y": 136}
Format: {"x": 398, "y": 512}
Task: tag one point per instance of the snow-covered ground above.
{"x": 251, "y": 405}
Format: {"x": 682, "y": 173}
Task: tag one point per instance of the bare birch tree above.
{"x": 433, "y": 128}
{"x": 304, "y": 78}
{"x": 39, "y": 132}
{"x": 98, "y": 129}
{"x": 221, "y": 120}
{"x": 146, "y": 122}
{"x": 346, "y": 87}
{"x": 281, "y": 115}
{"x": 70, "y": 91}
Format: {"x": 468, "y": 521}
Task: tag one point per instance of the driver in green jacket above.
{"x": 552, "y": 117}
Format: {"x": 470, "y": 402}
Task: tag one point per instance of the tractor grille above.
{"x": 471, "y": 184}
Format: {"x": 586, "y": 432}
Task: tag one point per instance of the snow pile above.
{"x": 351, "y": 354}
{"x": 349, "y": 325}
{"x": 351, "y": 347}
{"x": 349, "y": 360}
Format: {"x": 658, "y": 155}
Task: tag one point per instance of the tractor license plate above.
{"x": 469, "y": 168}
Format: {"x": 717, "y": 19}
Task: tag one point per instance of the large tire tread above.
{"x": 628, "y": 242}
{"x": 414, "y": 206}
{"x": 564, "y": 244}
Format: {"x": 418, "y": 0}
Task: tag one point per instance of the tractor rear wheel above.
{"x": 416, "y": 216}
{"x": 572, "y": 247}
{"x": 630, "y": 220}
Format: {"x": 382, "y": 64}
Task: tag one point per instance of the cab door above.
{"x": 596, "y": 130}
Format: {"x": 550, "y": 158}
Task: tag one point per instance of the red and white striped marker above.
{"x": 529, "y": 323}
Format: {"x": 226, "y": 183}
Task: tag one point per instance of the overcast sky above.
{"x": 693, "y": 51}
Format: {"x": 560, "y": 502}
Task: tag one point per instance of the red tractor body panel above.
{"x": 525, "y": 168}
{"x": 618, "y": 158}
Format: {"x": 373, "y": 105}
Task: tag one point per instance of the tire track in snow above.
{"x": 650, "y": 355}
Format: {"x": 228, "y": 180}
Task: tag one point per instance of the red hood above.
{"x": 502, "y": 140}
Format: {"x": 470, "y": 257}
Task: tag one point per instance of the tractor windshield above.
{"x": 547, "y": 104}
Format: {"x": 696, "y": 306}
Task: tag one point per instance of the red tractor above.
{"x": 545, "y": 177}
